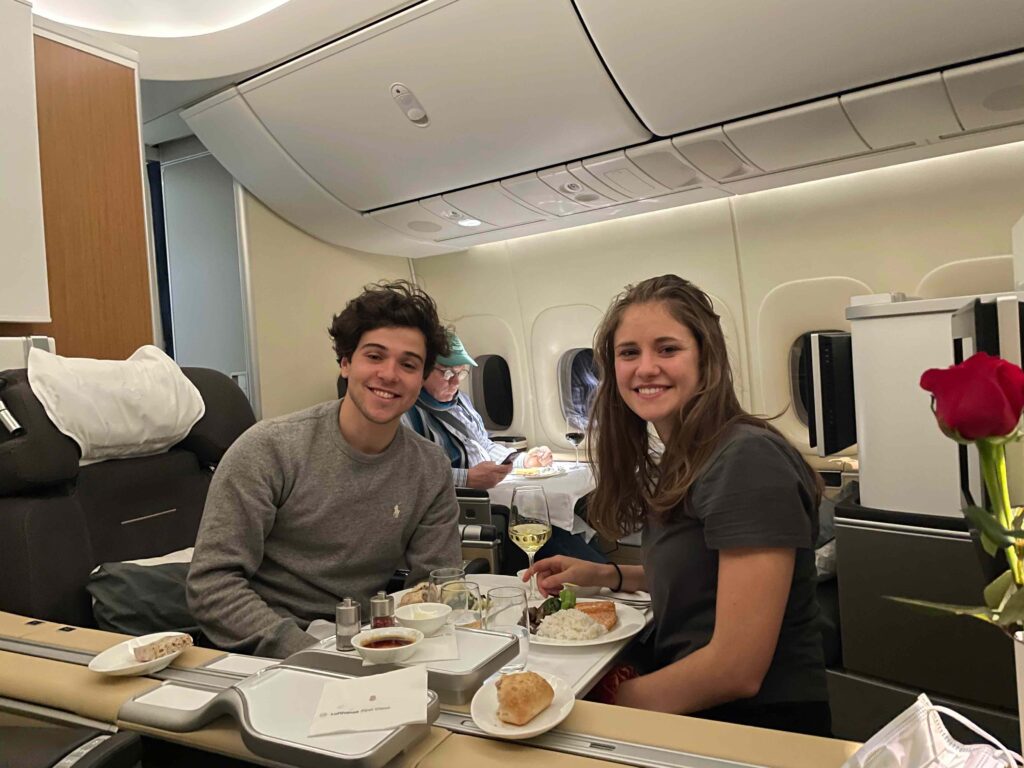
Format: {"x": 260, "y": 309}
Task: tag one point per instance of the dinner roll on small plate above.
{"x": 520, "y": 689}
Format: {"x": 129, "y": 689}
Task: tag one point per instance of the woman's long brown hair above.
{"x": 630, "y": 484}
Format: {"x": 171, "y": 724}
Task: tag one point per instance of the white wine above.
{"x": 530, "y": 537}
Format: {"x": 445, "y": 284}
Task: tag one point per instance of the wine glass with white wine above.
{"x": 530, "y": 525}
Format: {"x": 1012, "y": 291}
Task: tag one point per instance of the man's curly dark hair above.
{"x": 398, "y": 304}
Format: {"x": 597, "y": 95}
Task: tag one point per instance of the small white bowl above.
{"x": 387, "y": 655}
{"x": 428, "y": 618}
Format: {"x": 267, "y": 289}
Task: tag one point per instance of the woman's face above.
{"x": 657, "y": 364}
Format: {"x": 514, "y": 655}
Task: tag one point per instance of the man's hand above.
{"x": 540, "y": 456}
{"x": 487, "y": 474}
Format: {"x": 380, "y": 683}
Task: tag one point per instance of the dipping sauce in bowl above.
{"x": 387, "y": 645}
{"x": 388, "y": 642}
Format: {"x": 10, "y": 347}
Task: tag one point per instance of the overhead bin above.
{"x": 910, "y": 111}
{"x": 812, "y": 133}
{"x": 446, "y": 94}
{"x": 988, "y": 94}
{"x": 713, "y": 153}
{"x": 690, "y": 65}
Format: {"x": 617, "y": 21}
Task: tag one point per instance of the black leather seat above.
{"x": 25, "y": 746}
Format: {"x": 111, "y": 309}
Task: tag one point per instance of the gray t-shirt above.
{"x": 296, "y": 519}
{"x": 755, "y": 491}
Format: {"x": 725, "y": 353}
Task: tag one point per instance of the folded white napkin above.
{"x": 374, "y": 703}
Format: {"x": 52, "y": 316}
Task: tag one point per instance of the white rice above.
{"x": 569, "y": 625}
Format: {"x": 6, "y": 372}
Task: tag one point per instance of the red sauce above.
{"x": 387, "y": 642}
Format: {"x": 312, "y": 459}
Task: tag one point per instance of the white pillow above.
{"x": 115, "y": 409}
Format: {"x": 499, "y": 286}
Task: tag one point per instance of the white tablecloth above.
{"x": 562, "y": 491}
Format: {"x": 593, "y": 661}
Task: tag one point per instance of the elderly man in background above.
{"x": 443, "y": 415}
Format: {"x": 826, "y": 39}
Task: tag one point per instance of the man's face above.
{"x": 444, "y": 389}
{"x": 385, "y": 372}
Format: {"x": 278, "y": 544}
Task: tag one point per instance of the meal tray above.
{"x": 274, "y": 709}
{"x": 481, "y": 654}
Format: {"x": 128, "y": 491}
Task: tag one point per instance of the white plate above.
{"x": 118, "y": 659}
{"x": 484, "y": 710}
{"x": 536, "y": 473}
{"x": 630, "y": 619}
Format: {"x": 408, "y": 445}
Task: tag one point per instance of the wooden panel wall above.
{"x": 93, "y": 212}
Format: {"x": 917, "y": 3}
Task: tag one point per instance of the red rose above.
{"x": 982, "y": 397}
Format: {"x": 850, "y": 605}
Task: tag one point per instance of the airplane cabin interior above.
{"x": 190, "y": 195}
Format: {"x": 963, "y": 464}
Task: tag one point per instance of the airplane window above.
{"x": 800, "y": 375}
{"x": 577, "y": 380}
{"x": 492, "y": 391}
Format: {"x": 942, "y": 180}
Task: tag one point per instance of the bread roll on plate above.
{"x": 417, "y": 594}
{"x": 522, "y": 696}
{"x": 163, "y": 646}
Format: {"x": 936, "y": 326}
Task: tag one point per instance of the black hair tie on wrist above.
{"x": 618, "y": 570}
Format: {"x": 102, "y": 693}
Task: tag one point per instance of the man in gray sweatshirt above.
{"x": 326, "y": 503}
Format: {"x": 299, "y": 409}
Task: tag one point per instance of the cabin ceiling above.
{"x": 415, "y": 128}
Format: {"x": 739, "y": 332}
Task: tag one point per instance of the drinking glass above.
{"x": 529, "y": 525}
{"x": 577, "y": 430}
{"x": 507, "y": 612}
{"x": 440, "y": 576}
{"x": 464, "y": 598}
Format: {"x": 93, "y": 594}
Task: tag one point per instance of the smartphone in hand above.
{"x": 511, "y": 457}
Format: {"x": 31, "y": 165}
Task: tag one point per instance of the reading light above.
{"x": 467, "y": 222}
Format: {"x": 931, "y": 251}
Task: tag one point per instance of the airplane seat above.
{"x": 58, "y": 521}
{"x": 26, "y": 746}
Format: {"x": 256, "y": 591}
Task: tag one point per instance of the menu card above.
{"x": 374, "y": 703}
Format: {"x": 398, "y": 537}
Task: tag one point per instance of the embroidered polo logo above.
{"x": 396, "y": 512}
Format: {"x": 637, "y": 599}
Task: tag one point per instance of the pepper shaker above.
{"x": 347, "y": 623}
{"x": 382, "y": 611}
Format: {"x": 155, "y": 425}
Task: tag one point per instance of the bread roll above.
{"x": 522, "y": 696}
{"x": 417, "y": 594}
{"x": 164, "y": 646}
{"x": 601, "y": 611}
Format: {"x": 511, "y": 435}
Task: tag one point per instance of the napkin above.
{"x": 374, "y": 703}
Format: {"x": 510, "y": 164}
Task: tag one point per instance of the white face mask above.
{"x": 916, "y": 738}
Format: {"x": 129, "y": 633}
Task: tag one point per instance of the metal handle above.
{"x": 9, "y": 422}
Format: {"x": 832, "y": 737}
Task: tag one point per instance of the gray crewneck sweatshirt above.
{"x": 296, "y": 519}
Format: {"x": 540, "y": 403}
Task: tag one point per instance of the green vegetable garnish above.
{"x": 567, "y": 598}
{"x": 549, "y": 606}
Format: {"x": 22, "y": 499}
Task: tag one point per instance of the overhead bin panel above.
{"x": 433, "y": 220}
{"x": 447, "y": 94}
{"x": 906, "y": 112}
{"x": 713, "y": 153}
{"x": 616, "y": 170}
{"x": 662, "y": 163}
{"x": 689, "y": 65}
{"x": 563, "y": 182}
{"x": 988, "y": 94}
{"x": 812, "y": 133}
{"x": 489, "y": 202}
{"x": 531, "y": 190}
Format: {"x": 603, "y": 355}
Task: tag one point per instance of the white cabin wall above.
{"x": 297, "y": 284}
{"x": 883, "y": 229}
{"x": 886, "y": 228}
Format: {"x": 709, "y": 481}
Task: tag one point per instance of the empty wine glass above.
{"x": 577, "y": 429}
{"x": 467, "y": 607}
{"x": 529, "y": 525}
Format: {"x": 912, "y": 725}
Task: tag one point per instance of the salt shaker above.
{"x": 382, "y": 611}
{"x": 347, "y": 623}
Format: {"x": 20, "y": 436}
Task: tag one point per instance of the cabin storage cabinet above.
{"x": 23, "y": 289}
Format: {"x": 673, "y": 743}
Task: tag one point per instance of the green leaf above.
{"x": 976, "y": 611}
{"x": 1013, "y": 611}
{"x": 995, "y": 592}
{"x": 993, "y": 535}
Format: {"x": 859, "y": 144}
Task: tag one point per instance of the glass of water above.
{"x": 507, "y": 612}
{"x": 467, "y": 607}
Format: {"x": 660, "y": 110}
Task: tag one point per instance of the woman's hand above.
{"x": 553, "y": 572}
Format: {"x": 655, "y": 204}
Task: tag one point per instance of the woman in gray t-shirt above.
{"x": 728, "y": 513}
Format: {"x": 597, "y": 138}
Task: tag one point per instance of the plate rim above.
{"x": 601, "y": 639}
{"x": 518, "y": 732}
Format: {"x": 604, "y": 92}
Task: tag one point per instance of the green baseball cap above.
{"x": 458, "y": 354}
